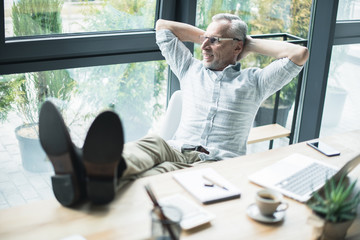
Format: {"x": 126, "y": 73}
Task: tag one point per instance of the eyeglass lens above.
{"x": 211, "y": 39}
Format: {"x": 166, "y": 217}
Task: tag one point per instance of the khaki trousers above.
{"x": 152, "y": 155}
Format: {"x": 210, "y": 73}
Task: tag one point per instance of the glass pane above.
{"x": 43, "y": 17}
{"x": 348, "y": 10}
{"x": 136, "y": 91}
{"x": 262, "y": 16}
{"x": 341, "y": 110}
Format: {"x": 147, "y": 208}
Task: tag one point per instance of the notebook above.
{"x": 298, "y": 176}
{"x": 193, "y": 216}
{"x": 207, "y": 186}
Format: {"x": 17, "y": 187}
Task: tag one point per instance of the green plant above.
{"x": 34, "y": 88}
{"x": 36, "y": 17}
{"x": 7, "y": 96}
{"x": 338, "y": 202}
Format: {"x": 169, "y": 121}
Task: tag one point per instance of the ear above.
{"x": 238, "y": 48}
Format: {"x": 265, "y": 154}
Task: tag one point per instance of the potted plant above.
{"x": 334, "y": 209}
{"x": 32, "y": 89}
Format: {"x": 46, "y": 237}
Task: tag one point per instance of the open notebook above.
{"x": 298, "y": 176}
{"x": 200, "y": 184}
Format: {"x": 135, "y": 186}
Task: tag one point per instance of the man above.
{"x": 219, "y": 105}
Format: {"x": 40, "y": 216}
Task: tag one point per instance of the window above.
{"x": 348, "y": 10}
{"x": 38, "y": 17}
{"x": 88, "y": 56}
{"x": 77, "y": 33}
{"x": 341, "y": 108}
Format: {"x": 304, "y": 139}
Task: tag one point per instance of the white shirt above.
{"x": 218, "y": 110}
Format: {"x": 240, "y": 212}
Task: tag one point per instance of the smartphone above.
{"x": 323, "y": 148}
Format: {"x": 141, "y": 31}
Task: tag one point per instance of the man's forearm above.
{"x": 278, "y": 49}
{"x": 185, "y": 32}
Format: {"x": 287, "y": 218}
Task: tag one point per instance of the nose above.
{"x": 205, "y": 44}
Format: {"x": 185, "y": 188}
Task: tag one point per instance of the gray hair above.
{"x": 238, "y": 27}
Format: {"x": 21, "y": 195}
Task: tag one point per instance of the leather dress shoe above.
{"x": 68, "y": 183}
{"x": 102, "y": 158}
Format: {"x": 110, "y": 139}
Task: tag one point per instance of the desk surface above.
{"x": 127, "y": 217}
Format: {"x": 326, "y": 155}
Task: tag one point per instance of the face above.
{"x": 219, "y": 55}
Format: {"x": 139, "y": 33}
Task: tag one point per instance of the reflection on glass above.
{"x": 341, "y": 109}
{"x": 39, "y": 17}
{"x": 348, "y": 10}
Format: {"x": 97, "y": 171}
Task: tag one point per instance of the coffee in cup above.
{"x": 269, "y": 202}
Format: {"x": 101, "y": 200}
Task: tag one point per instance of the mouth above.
{"x": 207, "y": 56}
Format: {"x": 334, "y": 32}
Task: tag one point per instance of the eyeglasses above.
{"x": 215, "y": 40}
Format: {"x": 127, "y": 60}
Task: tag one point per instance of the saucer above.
{"x": 254, "y": 212}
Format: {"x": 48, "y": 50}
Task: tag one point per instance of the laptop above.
{"x": 298, "y": 176}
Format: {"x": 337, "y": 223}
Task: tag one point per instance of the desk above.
{"x": 127, "y": 217}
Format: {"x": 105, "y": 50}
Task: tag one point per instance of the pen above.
{"x": 215, "y": 182}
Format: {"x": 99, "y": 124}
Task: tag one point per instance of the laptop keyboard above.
{"x": 307, "y": 180}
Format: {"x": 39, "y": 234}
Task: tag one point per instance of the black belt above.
{"x": 188, "y": 148}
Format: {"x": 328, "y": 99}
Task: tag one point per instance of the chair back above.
{"x": 172, "y": 116}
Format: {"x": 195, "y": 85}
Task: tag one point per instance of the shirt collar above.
{"x": 235, "y": 67}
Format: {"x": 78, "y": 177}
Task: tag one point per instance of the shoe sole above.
{"x": 102, "y": 156}
{"x": 56, "y": 142}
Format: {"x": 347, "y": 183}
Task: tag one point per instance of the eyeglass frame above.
{"x": 216, "y": 39}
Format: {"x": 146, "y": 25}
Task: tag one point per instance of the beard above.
{"x": 213, "y": 65}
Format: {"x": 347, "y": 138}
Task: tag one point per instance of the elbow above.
{"x": 304, "y": 55}
{"x": 300, "y": 56}
{"x": 160, "y": 24}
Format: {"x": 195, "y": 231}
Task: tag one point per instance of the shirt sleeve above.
{"x": 276, "y": 75}
{"x": 176, "y": 54}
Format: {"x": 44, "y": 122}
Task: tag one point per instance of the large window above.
{"x": 341, "y": 107}
{"x": 85, "y": 56}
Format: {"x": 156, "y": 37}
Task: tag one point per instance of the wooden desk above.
{"x": 128, "y": 216}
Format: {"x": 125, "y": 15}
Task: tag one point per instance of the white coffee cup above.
{"x": 269, "y": 202}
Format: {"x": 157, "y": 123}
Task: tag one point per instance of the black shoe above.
{"x": 68, "y": 183}
{"x": 102, "y": 157}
